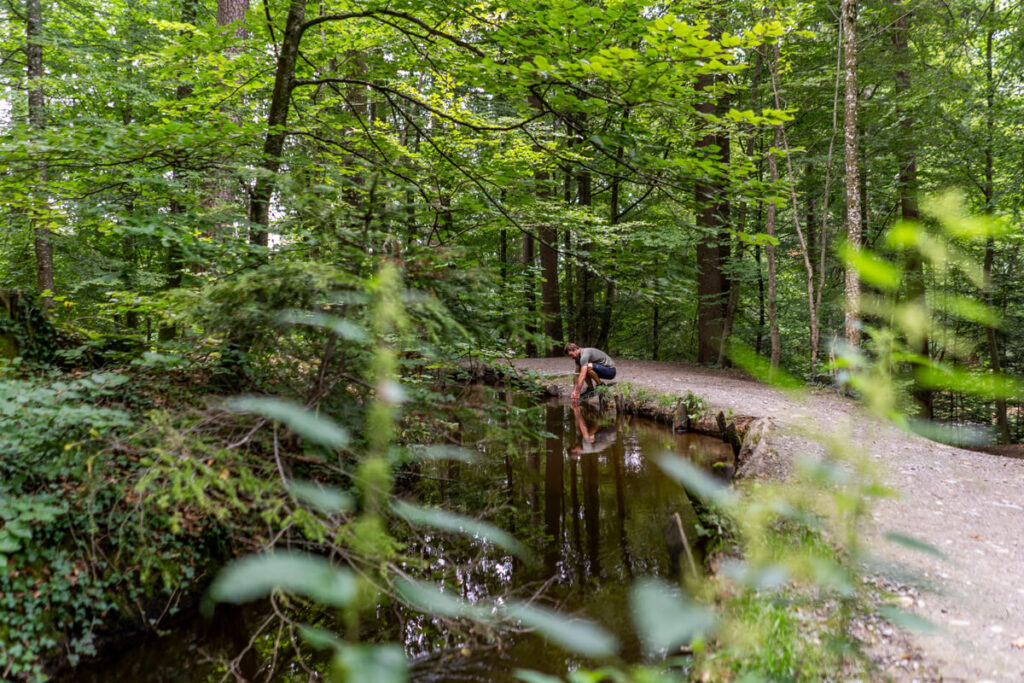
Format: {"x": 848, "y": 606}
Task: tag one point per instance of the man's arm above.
{"x": 579, "y": 382}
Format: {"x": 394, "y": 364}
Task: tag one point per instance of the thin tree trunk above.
{"x": 584, "y": 279}
{"x": 990, "y": 246}
{"x": 906, "y": 158}
{"x": 734, "y": 290}
{"x": 853, "y": 192}
{"x": 175, "y": 261}
{"x": 273, "y": 145}
{"x": 605, "y": 327}
{"x": 769, "y": 228}
{"x": 805, "y": 250}
{"x": 530, "y": 294}
{"x": 654, "y": 334}
{"x": 40, "y": 213}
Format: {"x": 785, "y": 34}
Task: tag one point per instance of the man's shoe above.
{"x": 589, "y": 393}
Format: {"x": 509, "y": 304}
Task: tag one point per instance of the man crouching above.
{"x": 593, "y": 366}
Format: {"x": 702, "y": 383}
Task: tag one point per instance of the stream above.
{"x": 584, "y": 492}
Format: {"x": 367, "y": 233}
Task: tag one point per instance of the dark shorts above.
{"x": 603, "y": 371}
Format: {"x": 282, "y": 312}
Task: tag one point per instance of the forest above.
{"x": 264, "y": 267}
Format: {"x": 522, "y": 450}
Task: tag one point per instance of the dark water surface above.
{"x": 584, "y": 493}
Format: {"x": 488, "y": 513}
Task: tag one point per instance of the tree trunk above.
{"x": 769, "y": 228}
{"x": 550, "y": 298}
{"x": 220, "y": 190}
{"x": 853, "y": 194}
{"x": 273, "y": 145}
{"x": 741, "y": 221}
{"x": 230, "y": 11}
{"x": 584, "y": 335}
{"x": 906, "y": 158}
{"x": 40, "y": 212}
{"x": 604, "y": 329}
{"x": 531, "y": 296}
{"x": 712, "y": 249}
{"x": 990, "y": 246}
{"x": 175, "y": 261}
{"x": 812, "y": 309}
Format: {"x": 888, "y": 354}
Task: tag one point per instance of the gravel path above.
{"x": 968, "y": 505}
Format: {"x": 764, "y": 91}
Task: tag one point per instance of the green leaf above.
{"x": 431, "y": 599}
{"x": 914, "y": 544}
{"x": 695, "y": 480}
{"x": 750, "y": 361}
{"x": 665, "y": 618}
{"x": 377, "y": 663}
{"x": 444, "y": 453}
{"x": 320, "y": 639}
{"x": 535, "y": 676}
{"x": 912, "y": 622}
{"x": 574, "y": 635}
{"x": 449, "y": 521}
{"x": 299, "y": 419}
{"x": 323, "y": 498}
{"x": 256, "y": 576}
{"x": 873, "y": 269}
{"x": 343, "y": 328}
{"x": 8, "y": 544}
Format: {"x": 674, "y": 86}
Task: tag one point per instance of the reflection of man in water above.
{"x": 593, "y": 441}
{"x": 593, "y": 365}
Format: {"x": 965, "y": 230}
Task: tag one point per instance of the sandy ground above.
{"x": 967, "y": 504}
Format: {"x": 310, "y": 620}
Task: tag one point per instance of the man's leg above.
{"x": 592, "y": 378}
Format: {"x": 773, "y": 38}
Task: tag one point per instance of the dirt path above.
{"x": 968, "y": 505}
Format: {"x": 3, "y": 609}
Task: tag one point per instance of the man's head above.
{"x": 572, "y": 350}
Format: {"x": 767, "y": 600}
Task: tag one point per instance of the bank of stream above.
{"x": 581, "y": 488}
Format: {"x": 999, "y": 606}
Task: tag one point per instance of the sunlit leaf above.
{"x": 449, "y": 521}
{"x": 983, "y": 384}
{"x": 666, "y": 618}
{"x": 969, "y": 309}
{"x": 343, "y": 328}
{"x": 575, "y": 635}
{"x": 256, "y": 576}
{"x": 299, "y": 419}
{"x": 873, "y": 269}
{"x": 760, "y": 367}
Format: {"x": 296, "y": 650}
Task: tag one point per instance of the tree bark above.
{"x": 273, "y": 145}
{"x": 550, "y": 297}
{"x": 712, "y": 249}
{"x": 769, "y": 228}
{"x": 995, "y": 358}
{"x": 40, "y": 212}
{"x": 531, "y": 296}
{"x": 853, "y": 191}
{"x": 584, "y": 335}
{"x": 906, "y": 158}
{"x": 812, "y": 309}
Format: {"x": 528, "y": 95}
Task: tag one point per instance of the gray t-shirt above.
{"x": 602, "y": 439}
{"x": 591, "y": 355}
